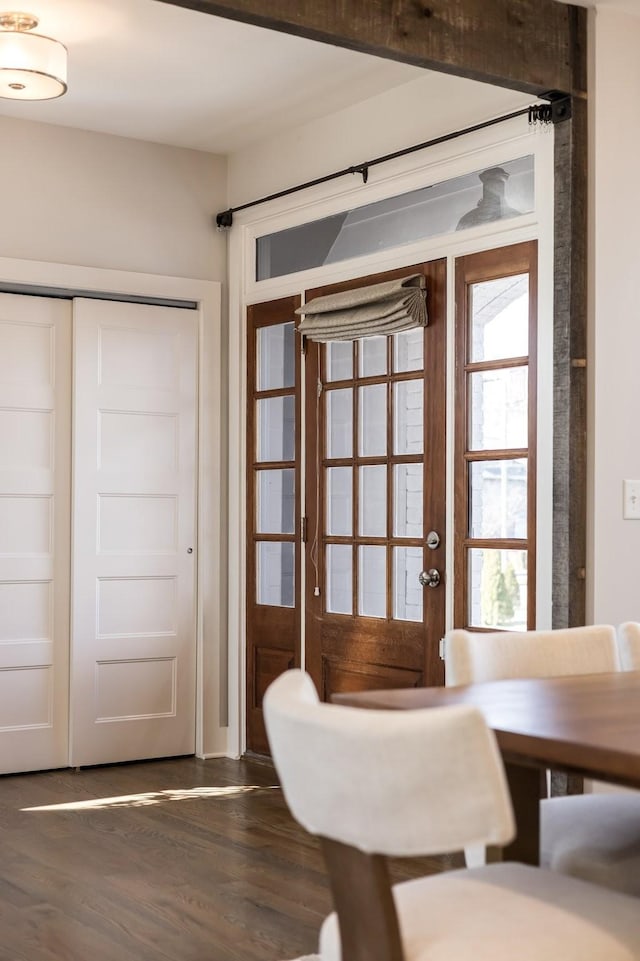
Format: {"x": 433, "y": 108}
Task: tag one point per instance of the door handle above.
{"x": 430, "y": 578}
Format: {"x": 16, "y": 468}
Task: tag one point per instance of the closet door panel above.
{"x": 35, "y": 420}
{"x": 134, "y": 644}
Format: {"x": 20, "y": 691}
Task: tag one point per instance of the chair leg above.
{"x": 363, "y": 899}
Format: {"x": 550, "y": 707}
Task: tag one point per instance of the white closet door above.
{"x": 35, "y": 422}
{"x": 134, "y": 527}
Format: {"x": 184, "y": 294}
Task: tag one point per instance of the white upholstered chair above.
{"x": 373, "y": 784}
{"x": 595, "y": 837}
{"x": 629, "y": 646}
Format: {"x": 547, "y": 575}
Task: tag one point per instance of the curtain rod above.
{"x": 557, "y": 110}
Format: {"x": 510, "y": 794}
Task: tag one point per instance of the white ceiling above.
{"x": 149, "y": 70}
{"x": 153, "y": 71}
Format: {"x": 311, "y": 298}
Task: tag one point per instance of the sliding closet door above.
{"x": 35, "y": 350}
{"x": 134, "y": 528}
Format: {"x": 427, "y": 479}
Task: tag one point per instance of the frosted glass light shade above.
{"x": 32, "y": 67}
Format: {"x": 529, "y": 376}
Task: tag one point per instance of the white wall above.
{"x": 89, "y": 199}
{"x": 412, "y": 113}
{"x": 614, "y": 435}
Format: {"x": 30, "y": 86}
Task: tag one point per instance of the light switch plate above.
{"x": 631, "y": 499}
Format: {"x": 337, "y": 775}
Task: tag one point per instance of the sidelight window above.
{"x": 495, "y": 439}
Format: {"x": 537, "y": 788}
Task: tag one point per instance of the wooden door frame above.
{"x": 536, "y": 47}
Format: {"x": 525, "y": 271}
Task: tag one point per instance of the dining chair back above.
{"x": 393, "y": 782}
{"x": 629, "y": 645}
{"x": 472, "y": 656}
{"x": 594, "y": 836}
{"x": 377, "y": 783}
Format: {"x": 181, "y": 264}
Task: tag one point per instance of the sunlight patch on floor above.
{"x": 155, "y": 797}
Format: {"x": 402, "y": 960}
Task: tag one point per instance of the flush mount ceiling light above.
{"x": 32, "y": 67}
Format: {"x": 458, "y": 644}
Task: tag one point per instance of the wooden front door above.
{"x": 375, "y": 496}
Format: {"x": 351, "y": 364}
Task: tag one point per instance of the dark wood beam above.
{"x": 570, "y": 352}
{"x": 522, "y": 44}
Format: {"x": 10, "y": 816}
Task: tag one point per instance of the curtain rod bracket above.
{"x": 363, "y": 170}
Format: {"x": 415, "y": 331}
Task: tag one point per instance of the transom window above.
{"x": 495, "y": 193}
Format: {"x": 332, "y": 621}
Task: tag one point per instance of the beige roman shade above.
{"x": 373, "y": 311}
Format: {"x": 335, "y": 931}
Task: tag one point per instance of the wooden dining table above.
{"x": 587, "y": 725}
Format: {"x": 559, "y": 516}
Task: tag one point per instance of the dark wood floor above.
{"x": 179, "y": 860}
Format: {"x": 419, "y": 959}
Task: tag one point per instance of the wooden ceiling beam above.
{"x": 526, "y": 45}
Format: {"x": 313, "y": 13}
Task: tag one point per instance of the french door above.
{"x": 273, "y": 508}
{"x": 375, "y": 495}
{"x": 373, "y": 424}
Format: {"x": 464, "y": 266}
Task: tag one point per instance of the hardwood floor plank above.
{"x": 177, "y": 860}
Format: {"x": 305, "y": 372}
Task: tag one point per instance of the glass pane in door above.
{"x": 408, "y": 499}
{"x": 276, "y": 367}
{"x": 498, "y": 589}
{"x": 408, "y": 420}
{"x": 498, "y": 498}
{"x": 372, "y": 501}
{"x": 372, "y": 352}
{"x": 372, "y": 581}
{"x": 339, "y": 501}
{"x": 276, "y": 501}
{"x": 372, "y": 420}
{"x": 339, "y": 360}
{"x": 339, "y": 423}
{"x": 339, "y": 567}
{"x": 499, "y": 408}
{"x": 500, "y": 318}
{"x": 276, "y": 428}
{"x": 408, "y": 593}
{"x": 408, "y": 350}
{"x": 275, "y": 575}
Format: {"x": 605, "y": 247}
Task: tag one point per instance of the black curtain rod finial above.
{"x": 553, "y": 112}
{"x": 224, "y": 220}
